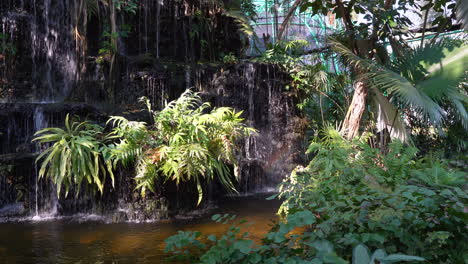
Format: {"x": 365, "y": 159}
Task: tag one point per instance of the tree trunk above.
{"x": 356, "y": 109}
{"x": 288, "y": 17}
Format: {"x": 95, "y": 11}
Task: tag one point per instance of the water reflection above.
{"x": 72, "y": 241}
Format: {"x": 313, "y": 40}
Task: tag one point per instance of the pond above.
{"x": 84, "y": 240}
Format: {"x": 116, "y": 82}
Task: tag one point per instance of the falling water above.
{"x": 158, "y": 21}
{"x": 51, "y": 67}
{"x": 249, "y": 75}
{"x": 250, "y": 83}
{"x": 39, "y": 123}
{"x": 49, "y": 48}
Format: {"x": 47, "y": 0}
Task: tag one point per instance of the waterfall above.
{"x": 54, "y": 64}
{"x": 158, "y": 26}
{"x": 49, "y": 198}
{"x": 160, "y": 59}
{"x": 39, "y": 123}
{"x": 250, "y": 83}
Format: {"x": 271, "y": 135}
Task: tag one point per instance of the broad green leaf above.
{"x": 361, "y": 255}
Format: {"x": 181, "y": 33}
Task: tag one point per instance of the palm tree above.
{"x": 429, "y": 76}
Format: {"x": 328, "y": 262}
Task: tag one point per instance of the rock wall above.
{"x": 51, "y": 64}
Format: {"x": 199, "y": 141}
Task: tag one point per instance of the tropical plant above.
{"x": 422, "y": 88}
{"x": 187, "y": 142}
{"x": 383, "y": 21}
{"x": 78, "y": 155}
{"x": 392, "y": 201}
{"x": 280, "y": 245}
{"x": 318, "y": 88}
{"x": 242, "y": 12}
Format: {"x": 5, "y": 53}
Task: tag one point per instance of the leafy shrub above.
{"x": 78, "y": 154}
{"x": 279, "y": 246}
{"x": 185, "y": 142}
{"x": 188, "y": 142}
{"x": 386, "y": 200}
{"x": 318, "y": 88}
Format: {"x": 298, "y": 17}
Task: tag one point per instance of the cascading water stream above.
{"x": 158, "y": 21}
{"x": 48, "y": 86}
{"x": 41, "y": 122}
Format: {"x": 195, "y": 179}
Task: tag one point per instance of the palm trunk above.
{"x": 356, "y": 109}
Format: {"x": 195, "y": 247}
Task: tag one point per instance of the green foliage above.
{"x": 249, "y": 9}
{"x": 127, "y": 6}
{"x": 437, "y": 70}
{"x": 361, "y": 254}
{"x": 230, "y": 59}
{"x": 187, "y": 142}
{"x": 243, "y": 12}
{"x": 109, "y": 39}
{"x": 366, "y": 25}
{"x": 428, "y": 86}
{"x": 242, "y": 21}
{"x": 78, "y": 154}
{"x": 319, "y": 89}
{"x": 13, "y": 182}
{"x": 387, "y": 200}
{"x": 281, "y": 245}
{"x": 379, "y": 20}
{"x": 284, "y": 53}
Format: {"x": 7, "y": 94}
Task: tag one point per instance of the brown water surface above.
{"x": 73, "y": 241}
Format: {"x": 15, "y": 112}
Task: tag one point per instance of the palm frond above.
{"x": 437, "y": 69}
{"x": 241, "y": 20}
{"x": 388, "y": 118}
{"x": 392, "y": 83}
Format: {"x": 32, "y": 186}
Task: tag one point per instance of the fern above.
{"x": 192, "y": 144}
{"x": 186, "y": 143}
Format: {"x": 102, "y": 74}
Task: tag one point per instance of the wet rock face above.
{"x": 19, "y": 122}
{"x": 190, "y": 30}
{"x": 259, "y": 91}
{"x": 18, "y": 170}
{"x": 44, "y": 63}
{"x": 40, "y": 62}
{"x": 256, "y": 89}
{"x": 44, "y": 43}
